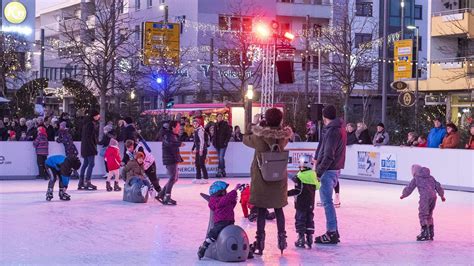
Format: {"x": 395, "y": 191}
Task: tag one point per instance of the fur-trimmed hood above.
{"x": 273, "y": 133}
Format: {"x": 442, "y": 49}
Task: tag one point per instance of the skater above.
{"x": 109, "y": 134}
{"x": 129, "y": 153}
{"x": 112, "y": 159}
{"x": 171, "y": 158}
{"x": 265, "y": 195}
{"x": 41, "y": 145}
{"x": 427, "y": 187}
{"x": 135, "y": 173}
{"x": 223, "y": 132}
{"x": 331, "y": 155}
{"x": 61, "y": 168}
{"x": 306, "y": 185}
{"x": 201, "y": 143}
{"x": 222, "y": 204}
{"x": 88, "y": 150}
{"x": 246, "y": 206}
{"x": 149, "y": 165}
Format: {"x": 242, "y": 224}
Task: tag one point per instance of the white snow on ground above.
{"x": 97, "y": 227}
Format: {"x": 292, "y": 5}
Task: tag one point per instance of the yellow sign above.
{"x": 161, "y": 43}
{"x": 15, "y": 12}
{"x": 403, "y": 58}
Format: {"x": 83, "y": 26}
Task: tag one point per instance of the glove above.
{"x": 237, "y": 187}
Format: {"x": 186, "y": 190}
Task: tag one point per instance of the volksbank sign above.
{"x": 18, "y": 17}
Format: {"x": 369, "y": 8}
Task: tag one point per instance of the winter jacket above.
{"x": 265, "y": 194}
{"x": 451, "y": 141}
{"x": 237, "y": 137}
{"x": 19, "y": 129}
{"x": 306, "y": 185}
{"x": 142, "y": 146}
{"x": 223, "y": 134}
{"x": 41, "y": 144}
{"x": 436, "y": 136}
{"x": 106, "y": 138}
{"x": 51, "y": 132}
{"x": 31, "y": 134}
{"x": 59, "y": 163}
{"x": 331, "y": 152}
{"x": 223, "y": 206}
{"x": 170, "y": 148}
{"x": 89, "y": 138}
{"x": 364, "y": 137}
{"x": 201, "y": 139}
{"x": 112, "y": 157}
{"x": 424, "y": 145}
{"x": 381, "y": 138}
{"x": 134, "y": 169}
{"x": 351, "y": 138}
{"x": 470, "y": 143}
{"x": 3, "y": 134}
{"x": 426, "y": 184}
{"x": 64, "y": 137}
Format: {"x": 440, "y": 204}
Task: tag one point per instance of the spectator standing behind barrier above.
{"x": 351, "y": 134}
{"x": 362, "y": 134}
{"x": 221, "y": 140}
{"x": 470, "y": 143}
{"x": 3, "y": 132}
{"x": 31, "y": 131}
{"x": 65, "y": 137}
{"x": 331, "y": 156}
{"x": 381, "y": 137}
{"x": 412, "y": 140}
{"x": 201, "y": 143}
{"x": 421, "y": 143}
{"x": 89, "y": 150}
{"x": 21, "y": 128}
{"x": 436, "y": 135}
{"x": 263, "y": 194}
{"x": 452, "y": 138}
{"x": 237, "y": 135}
{"x": 49, "y": 129}
{"x": 41, "y": 145}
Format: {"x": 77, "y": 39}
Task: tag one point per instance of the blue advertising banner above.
{"x": 388, "y": 166}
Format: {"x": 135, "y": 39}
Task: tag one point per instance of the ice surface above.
{"x": 97, "y": 227}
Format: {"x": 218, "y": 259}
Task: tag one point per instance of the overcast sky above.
{"x": 42, "y": 4}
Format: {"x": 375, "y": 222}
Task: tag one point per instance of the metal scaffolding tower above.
{"x": 268, "y": 77}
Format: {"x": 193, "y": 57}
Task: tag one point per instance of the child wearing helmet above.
{"x": 61, "y": 168}
{"x": 306, "y": 185}
{"x": 222, "y": 204}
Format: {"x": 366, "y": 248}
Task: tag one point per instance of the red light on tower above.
{"x": 288, "y": 35}
{"x": 262, "y": 30}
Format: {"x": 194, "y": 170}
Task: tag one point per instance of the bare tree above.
{"x": 351, "y": 63}
{"x": 13, "y": 62}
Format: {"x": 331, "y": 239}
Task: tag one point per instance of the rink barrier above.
{"x": 454, "y": 168}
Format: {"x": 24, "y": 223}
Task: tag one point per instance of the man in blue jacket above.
{"x": 436, "y": 136}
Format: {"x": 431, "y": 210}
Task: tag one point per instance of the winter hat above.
{"x": 217, "y": 187}
{"x": 381, "y": 125}
{"x": 453, "y": 126}
{"x": 329, "y": 112}
{"x": 113, "y": 142}
{"x": 62, "y": 125}
{"x": 128, "y": 120}
{"x": 93, "y": 113}
{"x": 42, "y": 130}
{"x": 139, "y": 155}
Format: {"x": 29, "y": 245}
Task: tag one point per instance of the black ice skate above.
{"x": 80, "y": 185}
{"x": 89, "y": 186}
{"x": 167, "y": 200}
{"x": 424, "y": 235}
{"x": 117, "y": 187}
{"x": 49, "y": 194}
{"x": 282, "y": 245}
{"x": 259, "y": 244}
{"x": 108, "y": 186}
{"x": 300, "y": 243}
{"x": 328, "y": 238}
{"x": 63, "y": 195}
{"x": 202, "y": 249}
{"x": 309, "y": 240}
{"x": 431, "y": 231}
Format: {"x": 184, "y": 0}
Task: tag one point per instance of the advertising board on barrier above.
{"x": 368, "y": 164}
{"x": 388, "y": 166}
{"x": 295, "y": 156}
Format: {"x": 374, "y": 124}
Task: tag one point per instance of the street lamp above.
{"x": 132, "y": 95}
{"x": 417, "y": 49}
{"x": 164, "y": 7}
{"x": 248, "y": 107}
{"x": 402, "y": 21}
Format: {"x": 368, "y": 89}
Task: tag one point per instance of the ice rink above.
{"x": 97, "y": 227}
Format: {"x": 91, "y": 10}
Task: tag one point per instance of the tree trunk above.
{"x": 103, "y": 98}
{"x": 346, "y": 107}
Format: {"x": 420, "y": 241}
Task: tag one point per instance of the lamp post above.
{"x": 248, "y": 107}
{"x": 164, "y": 7}
{"x": 402, "y": 20}
{"x": 417, "y": 35}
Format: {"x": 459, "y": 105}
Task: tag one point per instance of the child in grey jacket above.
{"x": 427, "y": 187}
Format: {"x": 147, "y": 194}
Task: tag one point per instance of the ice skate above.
{"x": 202, "y": 249}
{"x": 328, "y": 238}
{"x": 116, "y": 186}
{"x": 63, "y": 195}
{"x": 300, "y": 243}
{"x": 144, "y": 190}
{"x": 309, "y": 240}
{"x": 205, "y": 181}
{"x": 80, "y": 185}
{"x": 90, "y": 186}
{"x": 424, "y": 235}
{"x": 196, "y": 181}
{"x": 431, "y": 231}
{"x": 337, "y": 202}
{"x": 167, "y": 200}
{"x": 224, "y": 174}
{"x": 49, "y": 194}
{"x": 219, "y": 174}
{"x": 108, "y": 186}
{"x": 282, "y": 244}
{"x": 259, "y": 244}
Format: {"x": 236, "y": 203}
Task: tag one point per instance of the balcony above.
{"x": 453, "y": 23}
{"x": 301, "y": 8}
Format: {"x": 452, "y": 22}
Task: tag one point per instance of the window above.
{"x": 228, "y": 57}
{"x": 149, "y": 3}
{"x": 361, "y": 38}
{"x": 235, "y": 23}
{"x": 315, "y": 61}
{"x": 137, "y": 4}
{"x": 418, "y": 12}
{"x": 137, "y": 32}
{"x": 363, "y": 9}
{"x": 363, "y": 74}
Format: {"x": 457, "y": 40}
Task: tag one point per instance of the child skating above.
{"x": 61, "y": 168}
{"x": 427, "y": 187}
{"x": 112, "y": 157}
{"x": 306, "y": 185}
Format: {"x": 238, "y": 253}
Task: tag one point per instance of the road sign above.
{"x": 402, "y": 59}
{"x": 399, "y": 85}
{"x": 160, "y": 43}
{"x": 406, "y": 99}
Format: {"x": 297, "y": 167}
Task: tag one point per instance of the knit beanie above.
{"x": 329, "y": 112}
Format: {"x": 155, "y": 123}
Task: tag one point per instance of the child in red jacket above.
{"x": 112, "y": 157}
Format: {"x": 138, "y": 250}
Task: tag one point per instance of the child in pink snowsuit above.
{"x": 427, "y": 187}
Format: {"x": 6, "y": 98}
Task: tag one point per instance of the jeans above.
{"x": 262, "y": 216}
{"x": 221, "y": 156}
{"x": 200, "y": 164}
{"x": 88, "y": 164}
{"x": 173, "y": 178}
{"x": 328, "y": 182}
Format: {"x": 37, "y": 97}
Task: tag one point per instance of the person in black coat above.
{"x": 362, "y": 134}
{"x": 223, "y": 132}
{"x": 50, "y": 131}
{"x": 351, "y": 135}
{"x": 89, "y": 140}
